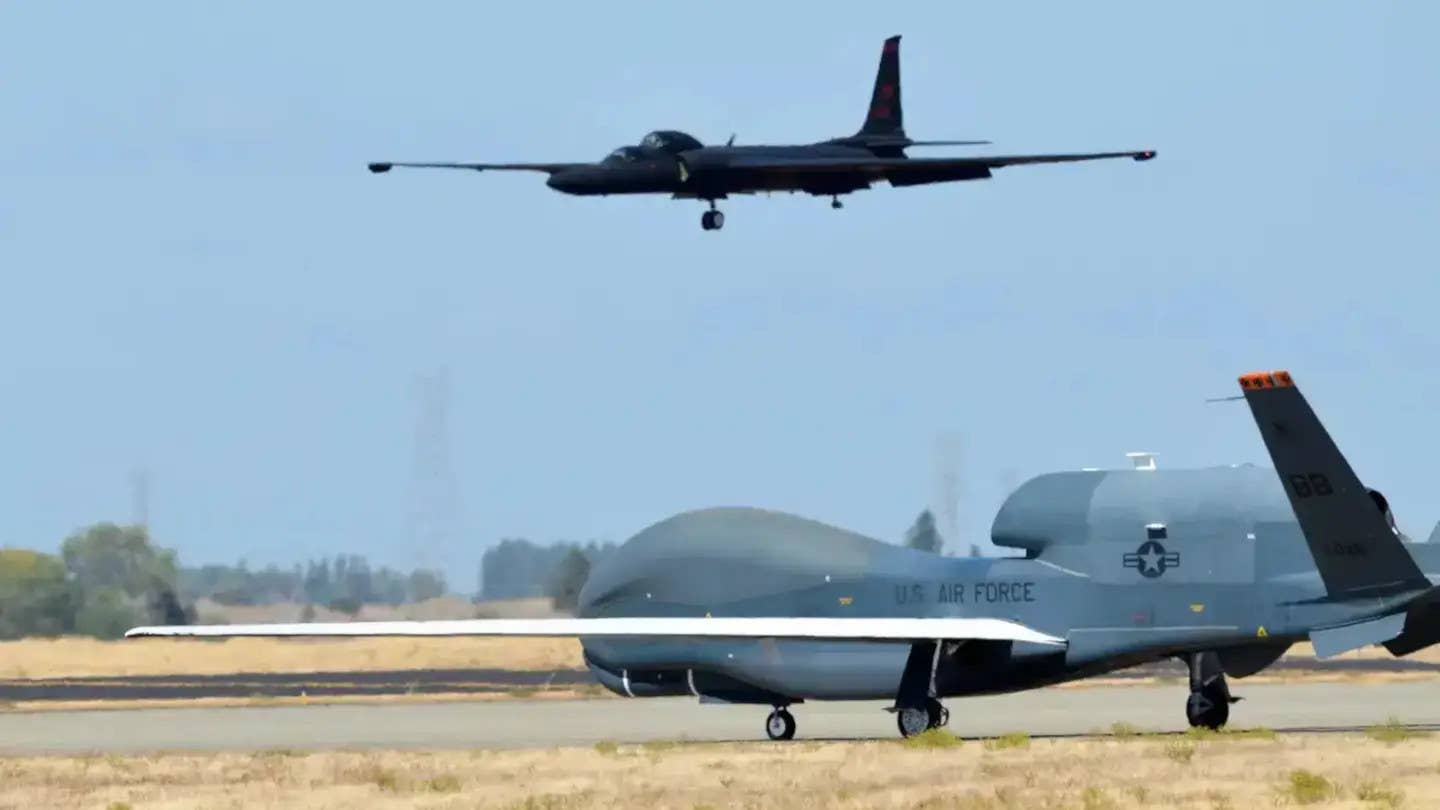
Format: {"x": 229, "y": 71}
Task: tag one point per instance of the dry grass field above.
{"x": 1386, "y": 768}
{"x": 84, "y": 657}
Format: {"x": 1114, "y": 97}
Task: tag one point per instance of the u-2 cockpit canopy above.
{"x": 669, "y": 141}
{"x": 661, "y": 141}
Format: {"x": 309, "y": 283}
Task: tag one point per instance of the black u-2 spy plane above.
{"x": 672, "y": 162}
{"x": 1223, "y": 568}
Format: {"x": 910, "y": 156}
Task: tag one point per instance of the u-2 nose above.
{"x": 567, "y": 181}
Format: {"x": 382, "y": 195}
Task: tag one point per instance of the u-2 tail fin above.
{"x": 1344, "y": 523}
{"x": 885, "y": 117}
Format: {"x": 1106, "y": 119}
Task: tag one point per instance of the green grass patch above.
{"x": 606, "y": 748}
{"x": 1014, "y": 739}
{"x": 932, "y": 739}
{"x": 1125, "y": 731}
{"x": 1093, "y": 798}
{"x": 1307, "y": 787}
{"x": 444, "y": 783}
{"x": 1393, "y": 731}
{"x": 386, "y": 780}
{"x": 1181, "y": 751}
{"x": 1378, "y": 793}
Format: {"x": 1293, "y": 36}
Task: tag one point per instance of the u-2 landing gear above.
{"x": 1208, "y": 705}
{"x": 780, "y": 725}
{"x": 835, "y": 203}
{"x": 712, "y": 220}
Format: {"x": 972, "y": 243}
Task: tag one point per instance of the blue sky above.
{"x": 201, "y": 279}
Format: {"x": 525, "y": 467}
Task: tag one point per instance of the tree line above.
{"x": 516, "y": 568}
{"x": 108, "y": 578}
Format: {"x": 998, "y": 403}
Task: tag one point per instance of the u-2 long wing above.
{"x": 548, "y": 168}
{"x": 733, "y": 627}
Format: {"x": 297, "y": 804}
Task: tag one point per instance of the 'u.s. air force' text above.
{"x": 972, "y": 592}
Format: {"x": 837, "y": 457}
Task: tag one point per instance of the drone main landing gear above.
{"x": 712, "y": 220}
{"x": 835, "y": 203}
{"x": 914, "y": 720}
{"x": 1208, "y": 705}
{"x": 917, "y": 708}
{"x": 780, "y": 725}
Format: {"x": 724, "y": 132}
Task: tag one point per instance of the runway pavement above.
{"x": 543, "y": 723}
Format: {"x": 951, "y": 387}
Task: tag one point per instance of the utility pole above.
{"x": 434, "y": 510}
{"x": 140, "y": 498}
{"x": 945, "y": 500}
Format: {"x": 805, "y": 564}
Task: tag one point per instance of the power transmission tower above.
{"x": 434, "y": 512}
{"x": 945, "y": 500}
{"x": 140, "y": 498}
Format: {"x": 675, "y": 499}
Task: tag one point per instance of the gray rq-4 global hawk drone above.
{"x": 1223, "y": 568}
{"x": 674, "y": 163}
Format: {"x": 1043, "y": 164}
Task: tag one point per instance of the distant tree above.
{"x": 119, "y": 557}
{"x": 319, "y": 587}
{"x": 516, "y": 568}
{"x": 425, "y": 584}
{"x": 923, "y": 534}
{"x": 107, "y": 612}
{"x": 120, "y": 579}
{"x": 345, "y": 604}
{"x": 567, "y": 579}
{"x": 35, "y": 598}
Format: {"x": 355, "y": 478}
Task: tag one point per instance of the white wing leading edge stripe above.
{"x": 788, "y": 627}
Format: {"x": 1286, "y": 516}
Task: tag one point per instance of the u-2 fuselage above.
{"x": 706, "y": 172}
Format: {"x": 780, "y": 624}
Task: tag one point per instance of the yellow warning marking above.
{"x": 1197, "y": 608}
{"x": 1260, "y": 632}
{"x": 845, "y": 600}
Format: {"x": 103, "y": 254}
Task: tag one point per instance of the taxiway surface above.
{"x": 544, "y": 723}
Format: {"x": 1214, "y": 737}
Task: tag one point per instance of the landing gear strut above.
{"x": 780, "y": 725}
{"x": 712, "y": 220}
{"x": 916, "y": 707}
{"x": 1209, "y": 703}
{"x": 836, "y": 204}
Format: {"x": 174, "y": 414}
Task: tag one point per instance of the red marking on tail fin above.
{"x": 880, "y": 111}
{"x": 891, "y": 45}
{"x": 887, "y": 91}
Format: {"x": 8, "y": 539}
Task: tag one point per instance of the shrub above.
{"x": 444, "y": 783}
{"x": 1181, "y": 751}
{"x": 931, "y": 739}
{"x": 1014, "y": 739}
{"x": 1308, "y": 787}
{"x": 1393, "y": 731}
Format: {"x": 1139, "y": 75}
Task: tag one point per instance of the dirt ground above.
{"x": 1384, "y": 768}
